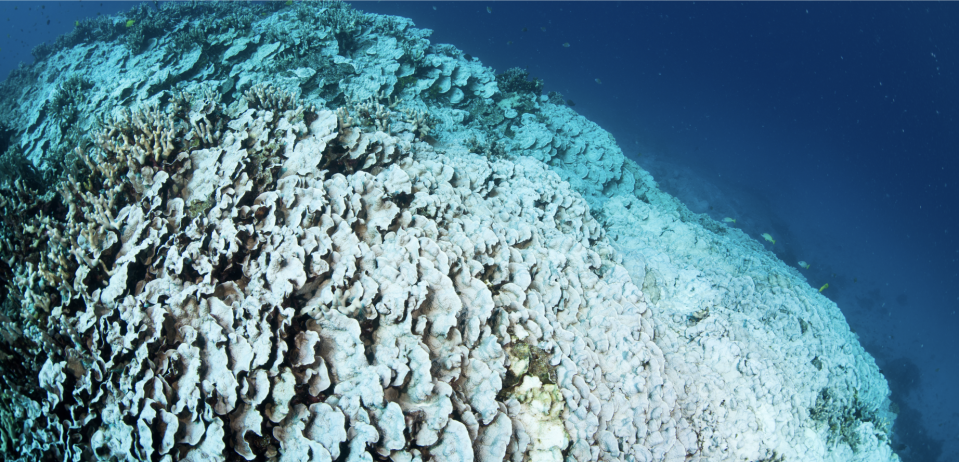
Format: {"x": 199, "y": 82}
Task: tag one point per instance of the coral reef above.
{"x": 311, "y": 297}
{"x": 313, "y": 235}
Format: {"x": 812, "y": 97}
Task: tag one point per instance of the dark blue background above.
{"x": 831, "y": 126}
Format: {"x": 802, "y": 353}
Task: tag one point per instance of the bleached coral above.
{"x": 268, "y": 278}
{"x": 389, "y": 295}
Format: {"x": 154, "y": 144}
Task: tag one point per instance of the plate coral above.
{"x": 303, "y": 232}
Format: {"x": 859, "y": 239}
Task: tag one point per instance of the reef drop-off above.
{"x": 303, "y": 232}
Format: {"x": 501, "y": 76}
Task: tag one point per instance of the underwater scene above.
{"x": 490, "y": 231}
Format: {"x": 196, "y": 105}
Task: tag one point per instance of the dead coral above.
{"x": 419, "y": 121}
{"x": 133, "y": 139}
{"x": 275, "y": 319}
{"x": 269, "y": 98}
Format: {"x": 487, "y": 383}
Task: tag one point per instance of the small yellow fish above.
{"x": 509, "y": 42}
{"x": 729, "y": 220}
{"x": 289, "y": 2}
{"x": 824, "y": 287}
{"x": 566, "y": 44}
{"x": 769, "y": 238}
{"x": 489, "y": 10}
{"x": 76, "y": 23}
{"x": 542, "y": 29}
{"x": 804, "y": 264}
{"x": 599, "y": 81}
{"x": 130, "y": 22}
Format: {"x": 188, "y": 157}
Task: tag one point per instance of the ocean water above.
{"x": 832, "y": 127}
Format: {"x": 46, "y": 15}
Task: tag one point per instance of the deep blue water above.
{"x": 832, "y": 126}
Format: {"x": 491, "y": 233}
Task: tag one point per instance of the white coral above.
{"x": 336, "y": 274}
{"x": 300, "y": 283}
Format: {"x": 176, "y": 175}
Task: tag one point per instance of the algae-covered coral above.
{"x": 314, "y": 235}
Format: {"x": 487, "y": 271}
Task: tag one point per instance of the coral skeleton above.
{"x": 240, "y": 252}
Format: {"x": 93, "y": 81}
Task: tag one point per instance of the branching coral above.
{"x": 351, "y": 293}
{"x": 366, "y": 278}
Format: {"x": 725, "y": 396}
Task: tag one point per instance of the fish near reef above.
{"x": 769, "y": 238}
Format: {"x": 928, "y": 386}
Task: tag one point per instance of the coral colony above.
{"x": 301, "y": 232}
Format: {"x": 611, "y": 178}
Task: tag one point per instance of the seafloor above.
{"x": 302, "y": 232}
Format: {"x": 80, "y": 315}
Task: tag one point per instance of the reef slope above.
{"x": 306, "y": 233}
